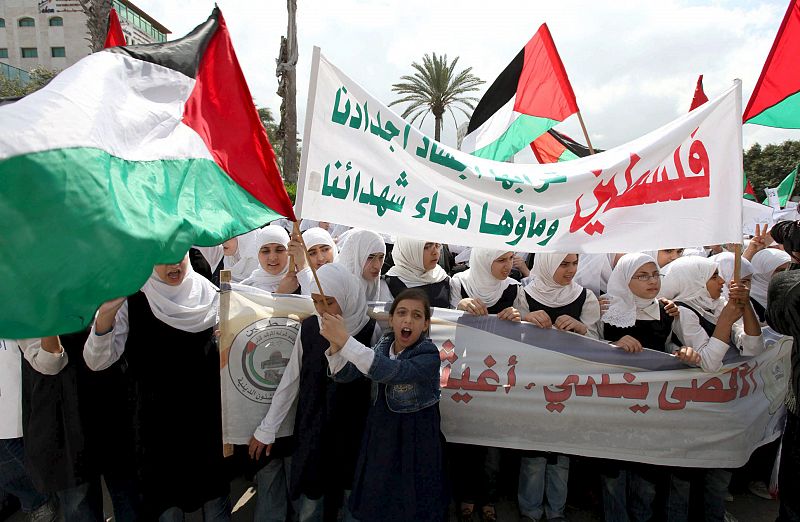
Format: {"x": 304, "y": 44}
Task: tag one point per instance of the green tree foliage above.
{"x": 766, "y": 166}
{"x": 40, "y": 76}
{"x": 436, "y": 87}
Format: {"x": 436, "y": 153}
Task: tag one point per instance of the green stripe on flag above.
{"x": 783, "y": 115}
{"x": 567, "y": 155}
{"x": 93, "y": 225}
{"x": 519, "y": 135}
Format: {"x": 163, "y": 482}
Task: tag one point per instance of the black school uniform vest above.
{"x": 506, "y": 300}
{"x": 705, "y": 324}
{"x": 438, "y": 293}
{"x": 330, "y": 418}
{"x": 174, "y": 400}
{"x": 651, "y": 333}
{"x": 572, "y": 309}
{"x": 759, "y": 310}
{"x": 73, "y": 425}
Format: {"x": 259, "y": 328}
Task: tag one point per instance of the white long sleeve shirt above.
{"x": 688, "y": 329}
{"x": 101, "y": 351}
{"x": 279, "y": 420}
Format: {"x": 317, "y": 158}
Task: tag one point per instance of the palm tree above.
{"x": 436, "y": 88}
{"x": 96, "y": 12}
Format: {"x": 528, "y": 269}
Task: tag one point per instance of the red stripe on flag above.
{"x": 114, "y": 36}
{"x": 547, "y": 149}
{"x": 543, "y": 89}
{"x": 220, "y": 109}
{"x": 780, "y": 77}
{"x": 699, "y": 95}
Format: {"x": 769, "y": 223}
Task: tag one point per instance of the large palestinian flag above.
{"x": 775, "y": 102}
{"x": 530, "y": 96}
{"x": 123, "y": 161}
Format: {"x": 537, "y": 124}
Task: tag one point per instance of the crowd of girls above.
{"x": 353, "y": 428}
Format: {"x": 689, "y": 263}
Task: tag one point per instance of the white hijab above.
{"x": 354, "y": 255}
{"x": 190, "y": 306}
{"x": 319, "y": 236}
{"x": 625, "y": 307}
{"x": 478, "y": 280}
{"x": 764, "y": 264}
{"x": 408, "y": 255}
{"x": 338, "y": 282}
{"x": 544, "y": 288}
{"x": 685, "y": 281}
{"x": 726, "y": 261}
{"x": 245, "y": 260}
{"x": 260, "y": 278}
{"x": 594, "y": 270}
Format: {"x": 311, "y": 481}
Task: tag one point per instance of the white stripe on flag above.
{"x": 491, "y": 129}
{"x": 126, "y": 107}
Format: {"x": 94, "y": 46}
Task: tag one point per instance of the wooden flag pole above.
{"x": 585, "y": 134}
{"x": 299, "y": 236}
{"x": 224, "y": 310}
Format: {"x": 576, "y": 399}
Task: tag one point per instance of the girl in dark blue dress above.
{"x": 399, "y": 475}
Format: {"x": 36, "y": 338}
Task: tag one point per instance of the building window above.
{"x": 29, "y": 52}
{"x": 56, "y": 21}
{"x": 2, "y": 22}
{"x": 3, "y": 53}
{"x": 58, "y": 52}
{"x": 26, "y": 22}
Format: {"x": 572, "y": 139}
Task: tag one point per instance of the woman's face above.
{"x": 329, "y": 304}
{"x": 502, "y": 265}
{"x": 230, "y": 246}
{"x": 320, "y": 255}
{"x": 273, "y": 258}
{"x": 430, "y": 255}
{"x": 372, "y": 268}
{"x": 173, "y": 274}
{"x": 647, "y": 288}
{"x": 669, "y": 255}
{"x": 714, "y": 285}
{"x": 566, "y": 270}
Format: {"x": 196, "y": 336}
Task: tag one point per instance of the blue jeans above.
{"x": 216, "y": 510}
{"x": 13, "y": 477}
{"x": 715, "y": 487}
{"x": 540, "y": 481}
{"x": 85, "y": 502}
{"x": 309, "y": 509}
{"x": 627, "y": 496}
{"x": 271, "y": 488}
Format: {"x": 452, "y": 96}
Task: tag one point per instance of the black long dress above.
{"x": 330, "y": 419}
{"x": 403, "y": 453}
{"x": 174, "y": 400}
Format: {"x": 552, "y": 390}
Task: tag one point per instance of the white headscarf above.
{"x": 260, "y": 278}
{"x": 338, "y": 282}
{"x": 408, "y": 266}
{"x": 478, "y": 280}
{"x": 245, "y": 260}
{"x": 625, "y": 307}
{"x": 319, "y": 236}
{"x": 594, "y": 270}
{"x": 354, "y": 255}
{"x": 544, "y": 288}
{"x": 726, "y": 260}
{"x": 764, "y": 264}
{"x": 190, "y": 306}
{"x": 685, "y": 281}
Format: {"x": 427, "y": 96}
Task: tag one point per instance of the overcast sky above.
{"x": 633, "y": 65}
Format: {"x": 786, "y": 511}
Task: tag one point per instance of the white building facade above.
{"x": 53, "y": 33}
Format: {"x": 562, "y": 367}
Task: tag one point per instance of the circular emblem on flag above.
{"x": 259, "y": 355}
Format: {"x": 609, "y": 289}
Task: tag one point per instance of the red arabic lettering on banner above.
{"x": 647, "y": 188}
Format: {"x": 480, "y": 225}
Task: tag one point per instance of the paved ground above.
{"x": 745, "y": 507}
